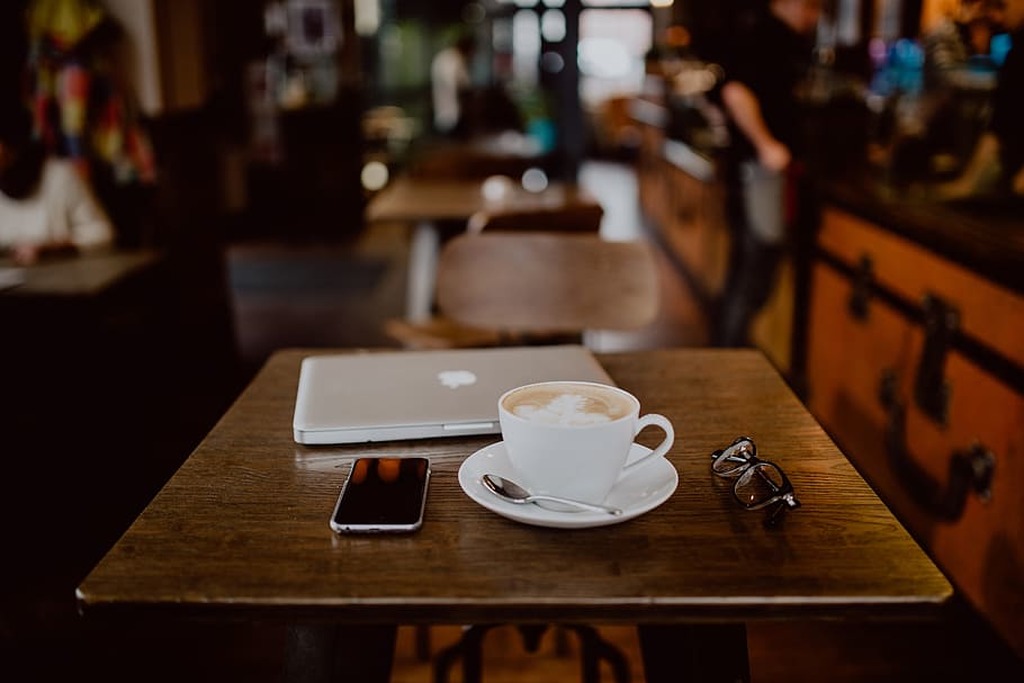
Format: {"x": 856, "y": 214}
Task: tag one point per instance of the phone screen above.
{"x": 382, "y": 495}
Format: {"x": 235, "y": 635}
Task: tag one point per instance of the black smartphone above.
{"x": 382, "y": 495}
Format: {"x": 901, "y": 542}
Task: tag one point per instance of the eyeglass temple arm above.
{"x": 785, "y": 502}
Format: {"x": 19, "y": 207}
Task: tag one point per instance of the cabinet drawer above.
{"x": 696, "y": 229}
{"x": 988, "y": 312}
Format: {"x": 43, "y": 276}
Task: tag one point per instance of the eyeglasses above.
{"x": 759, "y": 483}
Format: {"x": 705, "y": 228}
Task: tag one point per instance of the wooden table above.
{"x": 85, "y": 276}
{"x": 241, "y": 531}
{"x": 85, "y": 340}
{"x": 423, "y": 202}
{"x": 83, "y": 295}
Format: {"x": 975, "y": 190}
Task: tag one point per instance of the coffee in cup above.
{"x": 573, "y": 439}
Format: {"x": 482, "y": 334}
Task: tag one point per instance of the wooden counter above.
{"x": 901, "y": 325}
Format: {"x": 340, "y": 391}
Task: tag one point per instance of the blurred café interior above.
{"x": 252, "y": 155}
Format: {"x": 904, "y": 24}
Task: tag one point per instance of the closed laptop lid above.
{"x": 350, "y": 398}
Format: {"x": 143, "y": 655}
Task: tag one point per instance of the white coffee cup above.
{"x": 572, "y": 439}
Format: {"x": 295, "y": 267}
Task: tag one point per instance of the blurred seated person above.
{"x": 45, "y": 206}
{"x": 997, "y": 163}
{"x": 451, "y": 86}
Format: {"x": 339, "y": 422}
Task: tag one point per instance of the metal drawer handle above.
{"x": 863, "y": 285}
{"x": 931, "y": 390}
{"x": 970, "y": 470}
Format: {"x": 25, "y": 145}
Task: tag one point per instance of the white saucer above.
{"x": 636, "y": 492}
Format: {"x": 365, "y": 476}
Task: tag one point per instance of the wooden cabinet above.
{"x": 916, "y": 366}
{"x": 695, "y": 226}
{"x": 682, "y": 196}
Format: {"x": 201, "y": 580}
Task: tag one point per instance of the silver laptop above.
{"x": 386, "y": 396}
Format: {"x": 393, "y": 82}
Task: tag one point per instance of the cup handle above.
{"x": 670, "y": 436}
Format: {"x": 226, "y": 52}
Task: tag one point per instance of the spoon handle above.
{"x": 577, "y": 503}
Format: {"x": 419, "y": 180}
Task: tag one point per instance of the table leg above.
{"x": 328, "y": 653}
{"x": 422, "y": 271}
{"x": 679, "y": 653}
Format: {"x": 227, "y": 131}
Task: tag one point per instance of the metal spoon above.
{"x": 514, "y": 493}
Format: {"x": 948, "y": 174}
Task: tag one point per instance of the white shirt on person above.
{"x": 449, "y": 75}
{"x": 62, "y": 210}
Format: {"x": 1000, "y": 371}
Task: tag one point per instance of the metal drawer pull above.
{"x": 931, "y": 390}
{"x": 863, "y": 284}
{"x": 970, "y": 470}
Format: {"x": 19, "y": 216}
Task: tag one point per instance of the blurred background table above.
{"x": 426, "y": 203}
{"x": 81, "y": 276}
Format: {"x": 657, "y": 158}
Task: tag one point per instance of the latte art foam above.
{"x": 571, "y": 406}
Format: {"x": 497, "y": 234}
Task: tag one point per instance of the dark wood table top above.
{"x": 85, "y": 275}
{"x": 241, "y": 529}
{"x": 415, "y": 199}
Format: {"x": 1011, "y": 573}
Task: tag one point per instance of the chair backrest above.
{"x": 573, "y": 217}
{"x": 456, "y": 161}
{"x": 554, "y": 282}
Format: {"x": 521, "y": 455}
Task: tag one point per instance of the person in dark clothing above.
{"x": 997, "y": 163}
{"x": 764, "y": 68}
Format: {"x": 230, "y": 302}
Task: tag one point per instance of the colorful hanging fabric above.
{"x": 81, "y": 111}
{"x": 63, "y": 22}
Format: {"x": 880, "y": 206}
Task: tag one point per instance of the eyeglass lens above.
{"x": 732, "y": 460}
{"x": 759, "y": 484}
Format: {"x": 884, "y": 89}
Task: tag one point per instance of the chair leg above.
{"x": 531, "y": 634}
{"x": 562, "y": 645}
{"x": 593, "y": 650}
{"x": 423, "y": 643}
{"x": 470, "y": 649}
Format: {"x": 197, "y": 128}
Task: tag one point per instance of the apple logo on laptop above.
{"x": 453, "y": 379}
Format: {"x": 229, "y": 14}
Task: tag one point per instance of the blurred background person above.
{"x": 45, "y": 206}
{"x": 965, "y": 35}
{"x": 997, "y": 163}
{"x": 769, "y": 59}
{"x": 959, "y": 72}
{"x": 451, "y": 86}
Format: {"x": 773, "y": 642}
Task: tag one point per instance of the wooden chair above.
{"x": 593, "y": 651}
{"x": 456, "y": 164}
{"x": 580, "y": 217}
{"x": 517, "y": 288}
{"x": 475, "y": 159}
